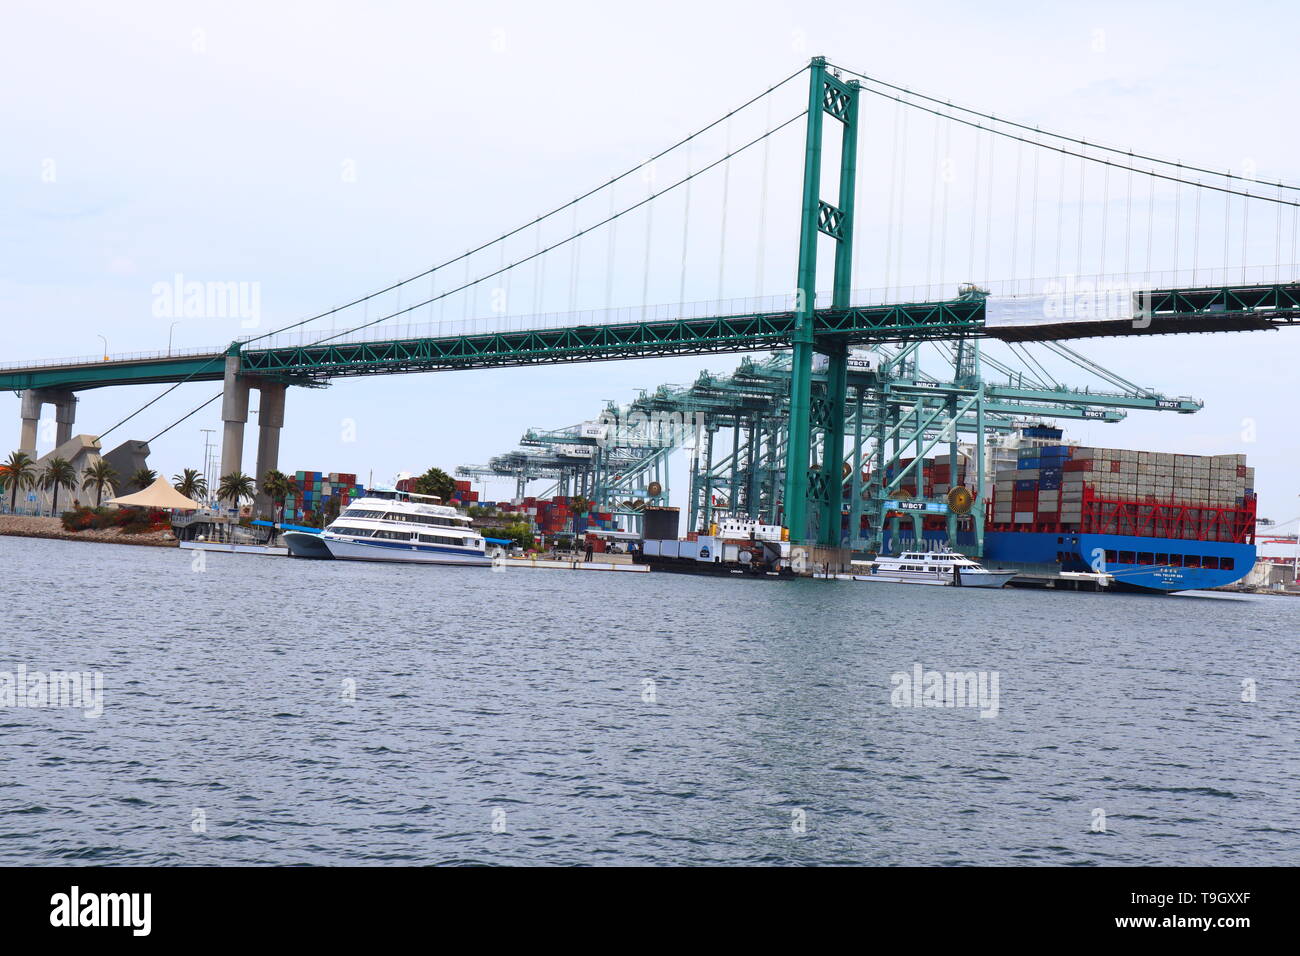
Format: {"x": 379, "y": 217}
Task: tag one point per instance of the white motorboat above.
{"x": 397, "y": 526}
{"x": 938, "y": 568}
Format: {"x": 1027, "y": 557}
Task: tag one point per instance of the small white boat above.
{"x": 936, "y": 568}
{"x": 395, "y": 526}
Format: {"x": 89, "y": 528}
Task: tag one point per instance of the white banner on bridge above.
{"x": 1068, "y": 303}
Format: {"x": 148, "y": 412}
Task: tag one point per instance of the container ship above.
{"x": 1154, "y": 521}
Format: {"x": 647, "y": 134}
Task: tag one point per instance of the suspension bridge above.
{"x": 1130, "y": 241}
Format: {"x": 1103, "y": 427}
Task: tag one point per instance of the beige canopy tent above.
{"x": 158, "y": 495}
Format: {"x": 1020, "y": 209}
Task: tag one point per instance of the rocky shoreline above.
{"x": 25, "y": 526}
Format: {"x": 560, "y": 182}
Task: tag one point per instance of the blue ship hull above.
{"x": 1137, "y": 563}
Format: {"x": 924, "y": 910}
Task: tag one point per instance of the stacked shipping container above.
{"x": 1063, "y": 488}
{"x": 317, "y": 491}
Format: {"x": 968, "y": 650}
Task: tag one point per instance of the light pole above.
{"x": 105, "y": 341}
{"x": 1295, "y": 567}
{"x": 169, "y": 335}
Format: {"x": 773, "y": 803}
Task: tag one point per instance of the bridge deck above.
{"x": 1173, "y": 311}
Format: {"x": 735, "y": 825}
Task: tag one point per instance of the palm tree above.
{"x": 143, "y": 478}
{"x": 191, "y": 484}
{"x": 99, "y": 476}
{"x": 58, "y": 473}
{"x": 236, "y": 487}
{"x": 18, "y": 472}
{"x": 278, "y": 486}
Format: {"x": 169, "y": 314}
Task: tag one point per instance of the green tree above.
{"x": 437, "y": 482}
{"x": 278, "y": 486}
{"x": 520, "y": 532}
{"x": 58, "y": 474}
{"x": 17, "y": 473}
{"x": 191, "y": 484}
{"x": 99, "y": 476}
{"x": 235, "y": 488}
{"x": 143, "y": 478}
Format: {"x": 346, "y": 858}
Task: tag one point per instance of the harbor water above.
{"x": 269, "y": 710}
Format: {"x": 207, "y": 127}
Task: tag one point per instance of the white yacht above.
{"x": 941, "y": 568}
{"x": 391, "y": 525}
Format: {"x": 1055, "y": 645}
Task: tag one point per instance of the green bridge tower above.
{"x": 813, "y": 489}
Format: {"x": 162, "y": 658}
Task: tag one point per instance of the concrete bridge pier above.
{"x": 234, "y": 415}
{"x": 65, "y": 415}
{"x": 270, "y": 419}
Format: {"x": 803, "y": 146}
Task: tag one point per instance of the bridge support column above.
{"x": 270, "y": 419}
{"x": 234, "y": 413}
{"x": 65, "y": 414}
{"x": 810, "y": 491}
{"x": 31, "y": 415}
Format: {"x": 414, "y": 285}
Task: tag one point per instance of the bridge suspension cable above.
{"x": 1101, "y": 160}
{"x": 948, "y": 104}
{"x": 533, "y": 222}
{"x": 613, "y": 217}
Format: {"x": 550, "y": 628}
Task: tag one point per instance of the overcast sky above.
{"x": 319, "y": 151}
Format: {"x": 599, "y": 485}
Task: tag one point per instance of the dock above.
{"x": 556, "y": 565}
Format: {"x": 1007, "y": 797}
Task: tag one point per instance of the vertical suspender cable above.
{"x": 686, "y": 225}
{"x": 1078, "y": 252}
{"x": 1277, "y": 241}
{"x": 433, "y": 284}
{"x": 1033, "y": 218}
{"x": 726, "y": 196}
{"x": 609, "y": 256}
{"x": 1196, "y": 237}
{"x": 1128, "y": 215}
{"x": 934, "y": 187}
{"x": 974, "y": 207}
{"x": 988, "y": 214}
{"x": 464, "y": 312}
{"x": 760, "y": 258}
{"x": 539, "y": 274}
{"x": 505, "y": 290}
{"x": 1227, "y": 229}
{"x": 1295, "y": 230}
{"x": 1245, "y": 234}
{"x": 1151, "y": 219}
{"x": 949, "y": 170}
{"x": 889, "y": 216}
{"x": 1015, "y": 221}
{"x": 1105, "y": 219}
{"x": 1060, "y": 218}
{"x": 1178, "y": 216}
{"x": 902, "y": 196}
{"x": 574, "y": 263}
{"x": 649, "y": 237}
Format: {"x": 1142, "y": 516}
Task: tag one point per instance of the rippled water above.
{"x": 519, "y": 699}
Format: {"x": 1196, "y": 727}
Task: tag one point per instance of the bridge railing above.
{"x": 113, "y": 357}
